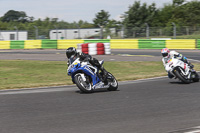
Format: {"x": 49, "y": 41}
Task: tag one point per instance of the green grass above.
{"x": 26, "y": 74}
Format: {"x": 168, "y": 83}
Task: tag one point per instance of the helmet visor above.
{"x": 68, "y": 54}
{"x": 164, "y": 54}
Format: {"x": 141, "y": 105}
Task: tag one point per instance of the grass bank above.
{"x": 26, "y": 74}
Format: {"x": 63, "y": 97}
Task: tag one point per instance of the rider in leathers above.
{"x": 167, "y": 55}
{"x": 71, "y": 52}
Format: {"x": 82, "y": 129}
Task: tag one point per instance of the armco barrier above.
{"x": 151, "y": 44}
{"x": 16, "y": 44}
{"x": 4, "y": 44}
{"x": 64, "y": 44}
{"x": 124, "y": 44}
{"x": 32, "y": 44}
{"x": 113, "y": 43}
{"x": 181, "y": 44}
{"x": 49, "y": 44}
{"x": 96, "y": 40}
{"x": 198, "y": 44}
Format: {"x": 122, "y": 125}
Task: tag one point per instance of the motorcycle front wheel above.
{"x": 113, "y": 82}
{"x": 84, "y": 86}
{"x": 181, "y": 77}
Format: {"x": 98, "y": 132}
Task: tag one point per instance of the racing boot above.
{"x": 100, "y": 76}
{"x": 186, "y": 61}
{"x": 104, "y": 75}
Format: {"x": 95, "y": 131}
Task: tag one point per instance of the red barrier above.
{"x": 100, "y": 49}
{"x": 85, "y": 48}
{"x": 95, "y": 48}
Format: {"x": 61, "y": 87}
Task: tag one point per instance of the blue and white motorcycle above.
{"x": 85, "y": 76}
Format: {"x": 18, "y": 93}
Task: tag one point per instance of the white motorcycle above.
{"x": 182, "y": 71}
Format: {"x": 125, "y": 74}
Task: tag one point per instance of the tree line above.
{"x": 139, "y": 14}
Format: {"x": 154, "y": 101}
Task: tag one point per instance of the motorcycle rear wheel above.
{"x": 83, "y": 86}
{"x": 196, "y": 79}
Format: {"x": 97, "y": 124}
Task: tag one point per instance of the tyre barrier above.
{"x": 79, "y": 48}
{"x": 107, "y": 48}
{"x": 94, "y": 48}
{"x": 84, "y": 48}
{"x": 100, "y": 49}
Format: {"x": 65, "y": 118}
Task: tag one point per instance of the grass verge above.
{"x": 26, "y": 74}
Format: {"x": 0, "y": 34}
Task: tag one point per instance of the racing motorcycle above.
{"x": 182, "y": 71}
{"x": 87, "y": 77}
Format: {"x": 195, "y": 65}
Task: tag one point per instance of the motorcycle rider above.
{"x": 71, "y": 52}
{"x": 167, "y": 55}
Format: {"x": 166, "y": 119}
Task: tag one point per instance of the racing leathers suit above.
{"x": 177, "y": 56}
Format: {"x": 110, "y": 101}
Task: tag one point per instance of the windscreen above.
{"x": 71, "y": 60}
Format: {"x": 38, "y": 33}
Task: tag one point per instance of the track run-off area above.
{"x": 156, "y": 105}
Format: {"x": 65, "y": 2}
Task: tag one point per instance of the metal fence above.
{"x": 162, "y": 32}
{"x": 146, "y": 32}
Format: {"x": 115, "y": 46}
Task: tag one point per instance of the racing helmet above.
{"x": 165, "y": 52}
{"x": 70, "y": 52}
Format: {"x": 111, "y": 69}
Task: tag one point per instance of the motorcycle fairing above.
{"x": 87, "y": 71}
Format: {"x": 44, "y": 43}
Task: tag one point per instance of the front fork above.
{"x": 186, "y": 74}
{"x": 82, "y": 76}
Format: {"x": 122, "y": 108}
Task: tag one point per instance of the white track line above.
{"x": 194, "y": 60}
{"x": 195, "y": 131}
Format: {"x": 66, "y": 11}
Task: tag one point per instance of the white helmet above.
{"x": 165, "y": 52}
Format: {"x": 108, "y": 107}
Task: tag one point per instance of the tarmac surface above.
{"x": 157, "y": 105}
{"x": 117, "y": 55}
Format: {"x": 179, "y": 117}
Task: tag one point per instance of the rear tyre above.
{"x": 113, "y": 82}
{"x": 84, "y": 86}
{"x": 181, "y": 77}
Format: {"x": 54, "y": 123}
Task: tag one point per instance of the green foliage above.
{"x": 180, "y": 12}
{"x": 178, "y": 2}
{"x": 15, "y": 19}
{"x": 164, "y": 15}
{"x": 138, "y": 14}
{"x": 12, "y": 15}
{"x": 102, "y": 18}
{"x": 189, "y": 13}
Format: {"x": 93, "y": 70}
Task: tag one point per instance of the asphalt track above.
{"x": 117, "y": 55}
{"x": 156, "y": 105}
{"x": 144, "y": 106}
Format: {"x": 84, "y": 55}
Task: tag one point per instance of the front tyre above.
{"x": 181, "y": 77}
{"x": 196, "y": 79}
{"x": 84, "y": 86}
{"x": 112, "y": 81}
